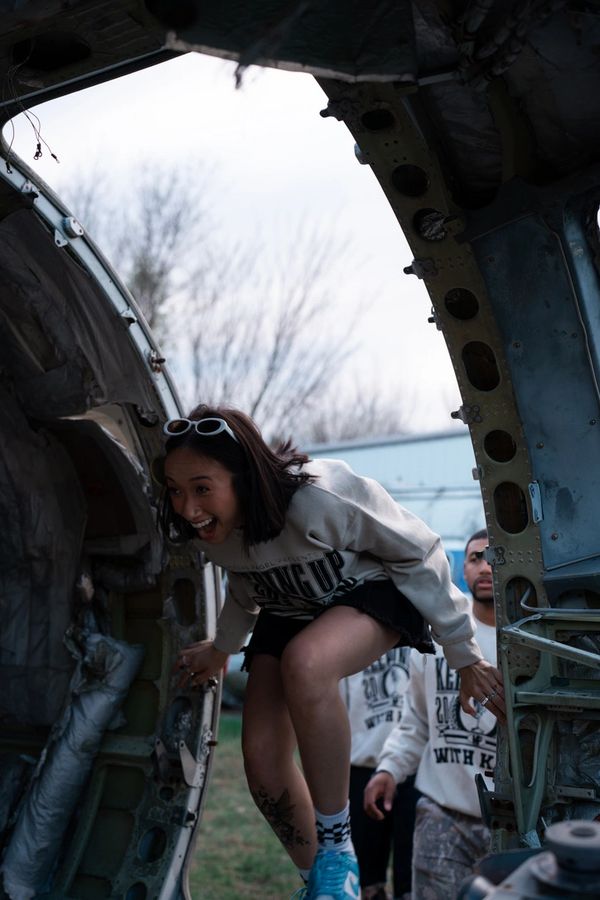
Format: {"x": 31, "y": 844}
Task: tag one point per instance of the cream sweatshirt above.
{"x": 341, "y": 531}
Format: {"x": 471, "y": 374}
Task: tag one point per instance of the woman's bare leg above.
{"x": 275, "y": 781}
{"x": 340, "y": 642}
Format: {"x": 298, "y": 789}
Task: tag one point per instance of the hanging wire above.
{"x": 10, "y": 146}
{"x": 11, "y": 93}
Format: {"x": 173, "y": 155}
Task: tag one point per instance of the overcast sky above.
{"x": 274, "y": 159}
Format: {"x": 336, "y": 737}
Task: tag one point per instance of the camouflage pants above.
{"x": 446, "y": 846}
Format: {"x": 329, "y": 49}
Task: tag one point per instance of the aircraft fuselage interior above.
{"x": 480, "y": 120}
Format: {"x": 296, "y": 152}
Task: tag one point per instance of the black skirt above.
{"x": 379, "y": 599}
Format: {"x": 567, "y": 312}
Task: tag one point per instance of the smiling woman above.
{"x": 332, "y": 573}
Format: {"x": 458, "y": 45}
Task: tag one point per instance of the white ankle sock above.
{"x": 333, "y": 832}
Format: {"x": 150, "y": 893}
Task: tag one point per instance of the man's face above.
{"x": 478, "y": 572}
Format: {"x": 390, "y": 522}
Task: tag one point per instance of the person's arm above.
{"x": 203, "y": 660}
{"x": 425, "y": 580}
{"x": 199, "y": 662}
{"x": 413, "y": 557}
{"x": 360, "y": 515}
{"x": 237, "y": 617}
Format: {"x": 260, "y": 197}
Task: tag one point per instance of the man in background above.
{"x": 446, "y": 748}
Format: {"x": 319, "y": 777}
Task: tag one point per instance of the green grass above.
{"x": 238, "y": 857}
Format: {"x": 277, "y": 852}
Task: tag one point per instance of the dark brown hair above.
{"x": 264, "y": 480}
{"x": 478, "y": 536}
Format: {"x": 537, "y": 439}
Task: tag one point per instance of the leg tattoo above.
{"x": 279, "y": 815}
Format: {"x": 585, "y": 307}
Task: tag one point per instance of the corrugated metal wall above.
{"x": 430, "y": 474}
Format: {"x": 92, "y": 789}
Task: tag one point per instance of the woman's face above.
{"x": 201, "y": 491}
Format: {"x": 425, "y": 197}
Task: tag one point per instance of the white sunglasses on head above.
{"x": 209, "y": 427}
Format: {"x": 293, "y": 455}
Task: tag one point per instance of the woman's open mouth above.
{"x": 206, "y": 527}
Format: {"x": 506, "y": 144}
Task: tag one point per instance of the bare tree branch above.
{"x": 147, "y": 230}
{"x": 253, "y": 325}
